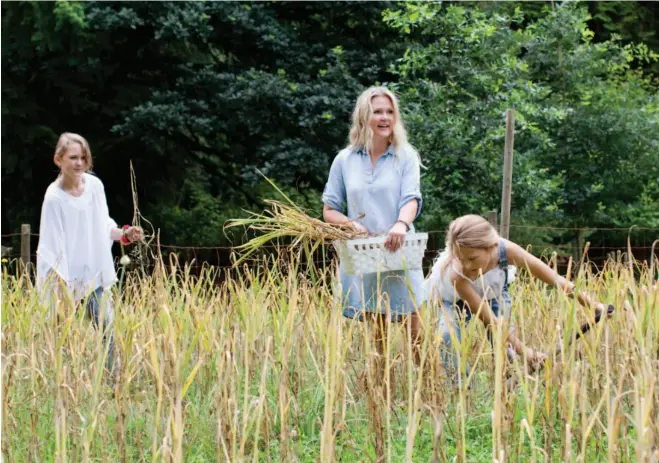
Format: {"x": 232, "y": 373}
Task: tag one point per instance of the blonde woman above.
{"x": 472, "y": 274}
{"x": 74, "y": 257}
{"x": 374, "y": 188}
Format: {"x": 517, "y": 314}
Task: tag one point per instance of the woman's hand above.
{"x": 359, "y": 228}
{"x": 396, "y": 237}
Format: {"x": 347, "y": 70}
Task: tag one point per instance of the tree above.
{"x": 200, "y": 95}
{"x": 587, "y": 123}
{"x": 197, "y": 95}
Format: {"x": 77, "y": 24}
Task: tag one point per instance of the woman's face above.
{"x": 73, "y": 162}
{"x": 382, "y": 117}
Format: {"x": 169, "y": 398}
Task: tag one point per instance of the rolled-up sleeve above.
{"x": 334, "y": 194}
{"x": 410, "y": 184}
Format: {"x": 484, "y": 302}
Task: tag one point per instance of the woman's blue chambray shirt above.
{"x": 374, "y": 197}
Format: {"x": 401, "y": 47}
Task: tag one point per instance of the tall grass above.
{"x": 263, "y": 367}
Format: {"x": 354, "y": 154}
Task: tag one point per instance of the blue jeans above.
{"x": 358, "y": 315}
{"x": 449, "y": 321}
{"x": 92, "y": 309}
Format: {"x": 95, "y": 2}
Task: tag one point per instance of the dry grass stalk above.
{"x": 286, "y": 220}
{"x": 204, "y": 365}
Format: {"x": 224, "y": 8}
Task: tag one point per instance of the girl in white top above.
{"x": 473, "y": 273}
{"x": 74, "y": 256}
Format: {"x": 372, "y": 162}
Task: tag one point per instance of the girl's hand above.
{"x": 602, "y": 309}
{"x": 396, "y": 237}
{"x": 134, "y": 234}
{"x": 535, "y": 360}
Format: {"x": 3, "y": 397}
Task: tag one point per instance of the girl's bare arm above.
{"x": 482, "y": 309}
{"x": 523, "y": 259}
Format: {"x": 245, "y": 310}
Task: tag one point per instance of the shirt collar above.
{"x": 390, "y": 151}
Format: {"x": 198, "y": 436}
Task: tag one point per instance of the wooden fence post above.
{"x": 507, "y": 173}
{"x": 492, "y": 218}
{"x": 25, "y": 244}
{"x": 580, "y": 245}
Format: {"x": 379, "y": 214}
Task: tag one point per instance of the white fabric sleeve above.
{"x": 103, "y": 203}
{"x": 111, "y": 225}
{"x": 51, "y": 252}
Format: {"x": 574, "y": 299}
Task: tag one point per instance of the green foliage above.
{"x": 630, "y": 22}
{"x": 198, "y": 95}
{"x": 587, "y": 123}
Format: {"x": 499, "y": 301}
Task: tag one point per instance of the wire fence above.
{"x": 431, "y": 232}
{"x": 606, "y": 242}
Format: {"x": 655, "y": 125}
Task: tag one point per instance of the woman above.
{"x": 76, "y": 233}
{"x": 374, "y": 188}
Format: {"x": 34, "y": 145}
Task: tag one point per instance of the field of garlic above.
{"x": 262, "y": 366}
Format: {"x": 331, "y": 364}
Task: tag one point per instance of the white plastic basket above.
{"x": 368, "y": 255}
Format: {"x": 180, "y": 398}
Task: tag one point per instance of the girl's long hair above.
{"x": 469, "y": 231}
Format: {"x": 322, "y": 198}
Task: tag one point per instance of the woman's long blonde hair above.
{"x": 470, "y": 231}
{"x": 66, "y": 139}
{"x": 361, "y": 135}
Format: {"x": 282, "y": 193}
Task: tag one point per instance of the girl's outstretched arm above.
{"x": 523, "y": 259}
{"x": 132, "y": 233}
{"x": 480, "y": 307}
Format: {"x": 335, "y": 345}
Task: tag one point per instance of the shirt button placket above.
{"x": 369, "y": 173}
{"x": 374, "y": 174}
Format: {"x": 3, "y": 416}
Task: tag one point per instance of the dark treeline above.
{"x": 200, "y": 95}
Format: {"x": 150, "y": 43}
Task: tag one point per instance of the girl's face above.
{"x": 73, "y": 163}
{"x": 382, "y": 117}
{"x": 474, "y": 260}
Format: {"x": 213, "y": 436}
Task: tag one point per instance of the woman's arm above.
{"x": 337, "y": 218}
{"x": 410, "y": 188}
{"x": 397, "y": 233}
{"x": 334, "y": 198}
{"x": 409, "y": 211}
{"x": 521, "y": 258}
{"x": 410, "y": 201}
